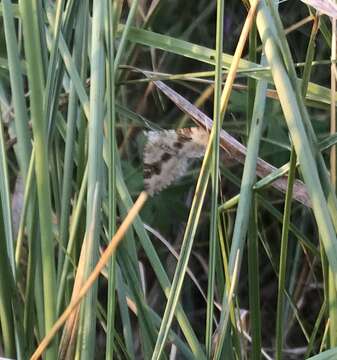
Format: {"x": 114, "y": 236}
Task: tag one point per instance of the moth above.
{"x": 168, "y": 153}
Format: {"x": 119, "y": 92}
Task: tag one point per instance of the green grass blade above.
{"x": 324, "y": 175}
{"x": 95, "y": 171}
{"x": 283, "y": 257}
{"x": 254, "y": 281}
{"x": 185, "y": 252}
{"x": 7, "y": 256}
{"x": 248, "y": 180}
{"x": 325, "y": 355}
{"x": 6, "y": 203}
{"x": 35, "y": 78}
{"x": 76, "y": 216}
{"x": 316, "y": 93}
{"x": 125, "y": 316}
{"x": 15, "y": 10}
{"x": 293, "y": 117}
{"x": 196, "y": 205}
{"x": 111, "y": 106}
{"x": 215, "y": 177}
{"x": 69, "y": 155}
{"x": 125, "y": 32}
{"x": 159, "y": 271}
{"x": 52, "y": 72}
{"x": 287, "y": 209}
{"x": 17, "y": 87}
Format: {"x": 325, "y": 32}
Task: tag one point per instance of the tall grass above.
{"x": 256, "y": 270}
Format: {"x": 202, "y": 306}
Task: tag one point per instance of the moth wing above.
{"x": 167, "y": 154}
{"x": 170, "y": 171}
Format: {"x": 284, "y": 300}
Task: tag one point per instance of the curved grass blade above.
{"x": 316, "y": 93}
{"x": 298, "y": 133}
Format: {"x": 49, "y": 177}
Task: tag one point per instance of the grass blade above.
{"x": 215, "y": 176}
{"x": 95, "y": 174}
{"x": 36, "y": 80}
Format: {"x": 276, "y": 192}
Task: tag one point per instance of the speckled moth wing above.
{"x": 167, "y": 154}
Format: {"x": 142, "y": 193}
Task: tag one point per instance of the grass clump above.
{"x": 235, "y": 260}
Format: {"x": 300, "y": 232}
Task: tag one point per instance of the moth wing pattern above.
{"x": 167, "y": 154}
